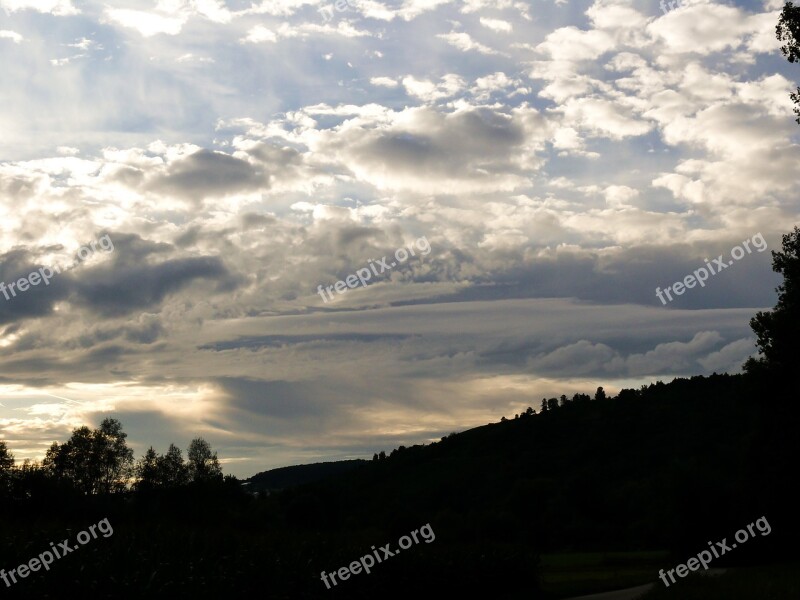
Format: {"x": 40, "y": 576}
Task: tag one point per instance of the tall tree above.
{"x": 147, "y": 471}
{"x": 94, "y": 461}
{"x": 778, "y": 331}
{"x": 6, "y": 466}
{"x": 788, "y": 31}
{"x": 203, "y": 463}
{"x": 6, "y": 458}
{"x": 172, "y": 470}
{"x": 114, "y": 457}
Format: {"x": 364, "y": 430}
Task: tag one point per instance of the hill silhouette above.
{"x": 286, "y": 477}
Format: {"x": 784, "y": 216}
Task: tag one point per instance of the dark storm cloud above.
{"x": 628, "y": 277}
{"x": 37, "y": 300}
{"x": 282, "y": 158}
{"x": 349, "y": 235}
{"x": 132, "y": 249}
{"x": 207, "y": 173}
{"x": 119, "y": 290}
{"x": 128, "y": 176}
{"x": 146, "y": 333}
{"x": 277, "y": 341}
{"x": 252, "y": 220}
{"x": 278, "y": 399}
{"x": 455, "y": 145}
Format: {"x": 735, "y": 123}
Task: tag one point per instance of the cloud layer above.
{"x": 562, "y": 165}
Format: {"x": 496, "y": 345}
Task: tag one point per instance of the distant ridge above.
{"x": 286, "y": 477}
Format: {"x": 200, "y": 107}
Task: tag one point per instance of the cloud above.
{"x": 147, "y": 23}
{"x": 60, "y": 8}
{"x": 464, "y": 42}
{"x": 207, "y": 173}
{"x": 259, "y": 34}
{"x": 5, "y": 34}
{"x": 496, "y": 24}
{"x": 562, "y": 165}
{"x": 124, "y": 290}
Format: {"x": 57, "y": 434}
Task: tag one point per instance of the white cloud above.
{"x": 146, "y": 23}
{"x": 428, "y": 91}
{"x": 620, "y": 196}
{"x": 59, "y": 8}
{"x": 259, "y": 34}
{"x": 465, "y": 43}
{"x": 5, "y": 34}
{"x": 384, "y": 82}
{"x": 496, "y": 24}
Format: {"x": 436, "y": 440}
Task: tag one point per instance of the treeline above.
{"x": 96, "y": 462}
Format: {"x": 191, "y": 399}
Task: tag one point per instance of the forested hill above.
{"x": 284, "y": 477}
{"x": 658, "y": 467}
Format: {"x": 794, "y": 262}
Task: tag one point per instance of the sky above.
{"x": 550, "y": 165}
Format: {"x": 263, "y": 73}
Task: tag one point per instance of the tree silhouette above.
{"x": 93, "y": 461}
{"x": 778, "y": 331}
{"x": 147, "y": 471}
{"x": 6, "y": 458}
{"x": 172, "y": 470}
{"x": 203, "y": 463}
{"x": 115, "y": 458}
{"x": 162, "y": 471}
{"x": 788, "y": 31}
{"x": 600, "y": 394}
{"x": 6, "y": 466}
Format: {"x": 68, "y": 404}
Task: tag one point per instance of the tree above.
{"x": 552, "y": 403}
{"x": 6, "y": 458}
{"x": 778, "y": 331}
{"x": 172, "y": 470}
{"x": 114, "y": 457}
{"x": 6, "y": 466}
{"x": 168, "y": 470}
{"x": 203, "y": 463}
{"x": 600, "y": 394}
{"x": 544, "y": 405}
{"x": 94, "y": 461}
{"x": 75, "y": 461}
{"x": 788, "y": 31}
{"x": 147, "y": 471}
